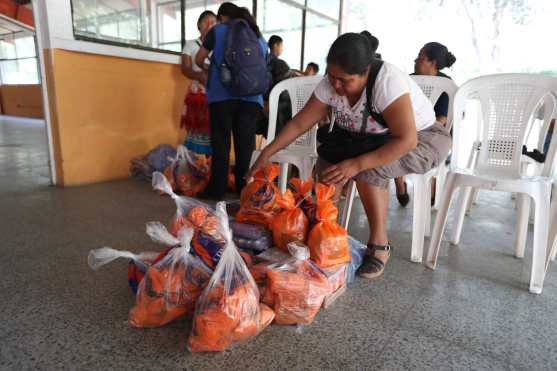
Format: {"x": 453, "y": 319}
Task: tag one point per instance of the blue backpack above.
{"x": 244, "y": 71}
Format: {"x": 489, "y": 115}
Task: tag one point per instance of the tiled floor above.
{"x": 473, "y": 312}
{"x": 23, "y": 155}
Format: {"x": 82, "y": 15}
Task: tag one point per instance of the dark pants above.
{"x": 237, "y": 117}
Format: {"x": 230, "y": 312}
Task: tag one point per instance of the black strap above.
{"x": 198, "y": 42}
{"x": 375, "y": 67}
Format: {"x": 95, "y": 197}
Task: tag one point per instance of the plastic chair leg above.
{"x": 472, "y": 200}
{"x": 523, "y": 204}
{"x": 552, "y": 240}
{"x": 440, "y": 222}
{"x": 345, "y": 217}
{"x": 254, "y": 156}
{"x": 541, "y": 231}
{"x": 427, "y": 212}
{"x": 440, "y": 183}
{"x": 460, "y": 212}
{"x": 283, "y": 179}
{"x": 418, "y": 217}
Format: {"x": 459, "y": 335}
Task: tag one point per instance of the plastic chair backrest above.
{"x": 508, "y": 103}
{"x": 433, "y": 87}
{"x": 300, "y": 90}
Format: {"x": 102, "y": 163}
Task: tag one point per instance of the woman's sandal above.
{"x": 403, "y": 198}
{"x": 373, "y": 267}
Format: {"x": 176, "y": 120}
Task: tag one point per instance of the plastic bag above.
{"x": 357, "y": 252}
{"x": 188, "y": 173}
{"x": 228, "y": 311}
{"x": 336, "y": 276}
{"x": 170, "y": 287}
{"x": 327, "y": 240}
{"x": 137, "y": 266}
{"x": 157, "y": 159}
{"x": 302, "y": 194}
{"x": 258, "y": 245}
{"x": 291, "y": 224}
{"x": 296, "y": 289}
{"x": 258, "y": 200}
{"x": 248, "y": 230}
{"x": 207, "y": 242}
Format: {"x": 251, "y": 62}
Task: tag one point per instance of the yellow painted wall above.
{"x": 107, "y": 110}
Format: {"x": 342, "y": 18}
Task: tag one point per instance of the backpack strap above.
{"x": 375, "y": 67}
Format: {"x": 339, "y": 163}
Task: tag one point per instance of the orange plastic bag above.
{"x": 228, "y": 310}
{"x": 258, "y": 200}
{"x": 302, "y": 194}
{"x": 327, "y": 240}
{"x": 296, "y": 289}
{"x": 170, "y": 287}
{"x": 289, "y": 225}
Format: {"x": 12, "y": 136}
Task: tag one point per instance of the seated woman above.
{"x": 432, "y": 58}
{"x": 398, "y": 116}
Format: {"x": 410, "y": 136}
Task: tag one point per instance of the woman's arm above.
{"x": 399, "y": 116}
{"x": 187, "y": 70}
{"x": 312, "y": 113}
{"x": 200, "y": 57}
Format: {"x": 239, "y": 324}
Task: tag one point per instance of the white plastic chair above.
{"x": 508, "y": 103}
{"x": 534, "y": 168}
{"x": 529, "y": 166}
{"x": 302, "y": 153}
{"x": 433, "y": 87}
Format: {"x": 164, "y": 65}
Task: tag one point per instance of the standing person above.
{"x": 195, "y": 115}
{"x": 275, "y": 46}
{"x": 395, "y": 120}
{"x": 233, "y": 112}
{"x": 312, "y": 69}
{"x": 432, "y": 58}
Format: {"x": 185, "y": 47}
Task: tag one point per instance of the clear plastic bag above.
{"x": 296, "y": 289}
{"x": 258, "y": 200}
{"x": 291, "y": 224}
{"x": 228, "y": 310}
{"x": 207, "y": 242}
{"x": 137, "y": 265}
{"x": 357, "y": 251}
{"x": 171, "y": 286}
{"x": 327, "y": 240}
{"x": 188, "y": 173}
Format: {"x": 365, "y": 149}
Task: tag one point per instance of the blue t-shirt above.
{"x": 215, "y": 40}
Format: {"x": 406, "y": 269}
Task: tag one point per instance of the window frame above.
{"x": 136, "y": 51}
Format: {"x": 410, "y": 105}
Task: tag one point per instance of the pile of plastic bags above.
{"x": 225, "y": 276}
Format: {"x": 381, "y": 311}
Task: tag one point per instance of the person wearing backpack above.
{"x": 384, "y": 127}
{"x": 238, "y": 78}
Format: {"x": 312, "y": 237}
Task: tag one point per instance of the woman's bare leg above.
{"x": 376, "y": 206}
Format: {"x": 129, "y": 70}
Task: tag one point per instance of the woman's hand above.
{"x": 341, "y": 172}
{"x": 261, "y": 161}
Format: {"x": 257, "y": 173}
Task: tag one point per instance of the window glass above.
{"x": 288, "y": 26}
{"x": 323, "y": 29}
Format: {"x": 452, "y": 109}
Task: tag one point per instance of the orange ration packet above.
{"x": 258, "y": 200}
{"x": 327, "y": 240}
{"x": 291, "y": 224}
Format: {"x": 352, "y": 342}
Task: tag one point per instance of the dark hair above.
{"x": 227, "y": 9}
{"x": 233, "y": 11}
{"x": 439, "y": 53}
{"x": 205, "y": 14}
{"x": 274, "y": 40}
{"x": 352, "y": 52}
{"x": 374, "y": 41}
{"x": 314, "y": 66}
